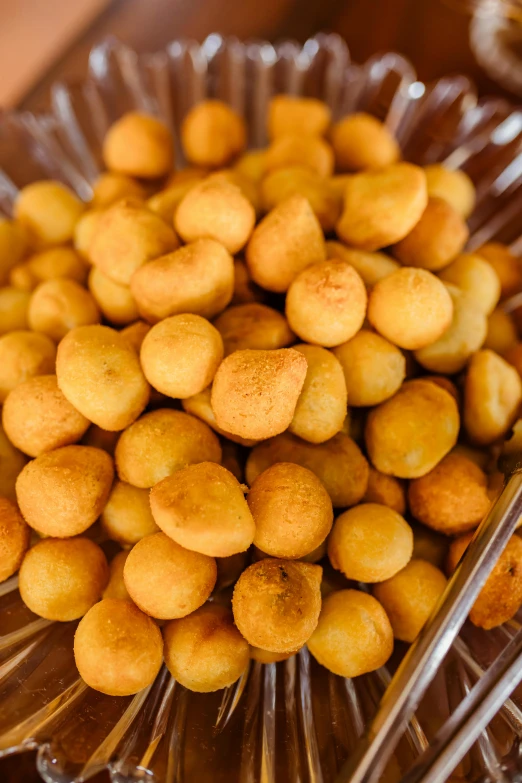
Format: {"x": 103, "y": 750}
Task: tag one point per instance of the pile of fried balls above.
{"x": 252, "y": 404}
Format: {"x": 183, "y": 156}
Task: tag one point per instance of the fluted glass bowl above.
{"x": 292, "y": 722}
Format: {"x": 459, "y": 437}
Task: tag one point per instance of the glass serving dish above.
{"x": 291, "y": 722}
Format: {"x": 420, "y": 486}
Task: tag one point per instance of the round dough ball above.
{"x": 465, "y": 335}
{"x": 247, "y": 187}
{"x": 215, "y": 209}
{"x": 84, "y": 231}
{"x": 452, "y": 498}
{"x": 199, "y": 405}
{"x": 57, "y": 306}
{"x": 265, "y": 656}
{"x": 326, "y": 303}
{"x": 492, "y": 395}
{"x": 60, "y": 579}
{"x": 436, "y": 239}
{"x": 410, "y": 597}
{"x": 126, "y": 237}
{"x": 24, "y": 355}
{"x": 284, "y": 243}
{"x": 386, "y": 490}
{"x": 181, "y": 354}
{"x": 381, "y": 207}
{"x": 111, "y": 187}
{"x": 506, "y": 265}
{"x": 139, "y": 145}
{"x": 37, "y": 417}
{"x": 114, "y": 300}
{"x": 502, "y": 332}
{"x": 297, "y": 115}
{"x": 203, "y": 508}
{"x": 14, "y": 240}
{"x": 212, "y": 134}
{"x": 338, "y": 463}
{"x": 373, "y": 368}
{"x": 296, "y": 149}
{"x": 162, "y": 442}
{"x": 11, "y": 463}
{"x": 14, "y": 305}
{"x": 361, "y": 141}
{"x": 165, "y": 202}
{"x": 281, "y": 184}
{"x": 205, "y": 652}
{"x": 251, "y": 164}
{"x": 118, "y": 650}
{"x": 276, "y": 604}
{"x": 411, "y": 308}
{"x": 135, "y": 334}
{"x": 372, "y": 267}
{"x": 14, "y": 538}
{"x": 353, "y": 636}
{"x": 370, "y": 543}
{"x": 127, "y": 517}
{"x": 116, "y": 586}
{"x": 455, "y": 187}
{"x": 321, "y": 408}
{"x": 291, "y": 509}
{"x": 63, "y": 492}
{"x": 255, "y": 393}
{"x": 99, "y": 373}
{"x": 197, "y": 278}
{"x": 49, "y": 211}
{"x": 53, "y": 264}
{"x": 255, "y": 326}
{"x": 474, "y": 275}
{"x": 407, "y": 435}
{"x": 165, "y": 580}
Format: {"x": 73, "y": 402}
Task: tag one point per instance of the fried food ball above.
{"x": 84, "y": 231}
{"x": 230, "y": 568}
{"x": 11, "y": 463}
{"x": 14, "y": 305}
{"x": 474, "y": 275}
{"x": 291, "y": 509}
{"x": 199, "y": 405}
{"x": 212, "y": 134}
{"x": 203, "y": 508}
{"x": 297, "y": 115}
{"x": 139, "y": 145}
{"x": 430, "y": 546}
{"x": 216, "y": 209}
{"x": 492, "y": 395}
{"x": 372, "y": 267}
{"x": 381, "y": 207}
{"x": 135, "y": 334}
{"x": 37, "y": 417}
{"x": 452, "y": 498}
{"x": 506, "y": 265}
{"x": 115, "y": 301}
{"x": 205, "y": 652}
{"x": 253, "y": 325}
{"x": 165, "y": 202}
{"x": 126, "y": 237}
{"x": 373, "y": 368}
{"x": 116, "y": 586}
{"x": 197, "y": 278}
{"x": 321, "y": 408}
{"x": 455, "y": 187}
{"x": 21, "y": 278}
{"x": 112, "y": 186}
{"x": 284, "y": 243}
{"x": 370, "y": 543}
{"x": 276, "y": 604}
{"x": 14, "y": 538}
{"x": 410, "y": 596}
{"x": 500, "y": 598}
{"x": 407, "y": 435}
{"x": 385, "y": 490}
{"x": 411, "y": 308}
{"x": 296, "y": 149}
{"x": 127, "y": 517}
{"x": 245, "y": 290}
{"x": 255, "y": 393}
{"x": 62, "y": 492}
{"x": 180, "y": 355}
{"x": 436, "y": 239}
{"x": 252, "y": 165}
{"x": 353, "y": 636}
{"x": 502, "y": 332}
{"x": 118, "y": 649}
{"x": 49, "y": 211}
{"x": 57, "y": 306}
{"x": 162, "y": 442}
{"x": 248, "y": 187}
{"x": 338, "y": 463}
{"x": 50, "y": 264}
{"x": 360, "y": 141}
{"x": 283, "y": 183}
{"x": 444, "y": 383}
{"x": 265, "y": 656}
{"x": 326, "y": 303}
{"x": 60, "y": 579}
{"x": 24, "y": 355}
{"x": 165, "y": 580}
{"x": 465, "y": 335}
{"x": 14, "y": 241}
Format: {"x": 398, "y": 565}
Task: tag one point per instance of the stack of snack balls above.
{"x": 275, "y": 378}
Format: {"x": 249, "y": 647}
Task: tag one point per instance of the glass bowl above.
{"x": 291, "y": 722}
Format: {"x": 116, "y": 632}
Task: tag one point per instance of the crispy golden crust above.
{"x": 114, "y": 300}
{"x": 283, "y": 183}
{"x": 14, "y": 538}
{"x": 386, "y": 490}
{"x": 127, "y": 517}
{"x": 139, "y": 145}
{"x": 360, "y": 141}
{"x": 296, "y": 149}
{"x": 436, "y": 239}
{"x": 24, "y": 355}
{"x": 292, "y": 114}
{"x": 373, "y": 368}
{"x": 253, "y": 325}
{"x": 506, "y": 265}
{"x": 49, "y": 211}
{"x": 492, "y": 395}
{"x": 212, "y": 134}
{"x": 57, "y": 306}
{"x": 474, "y": 275}
{"x": 455, "y": 187}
